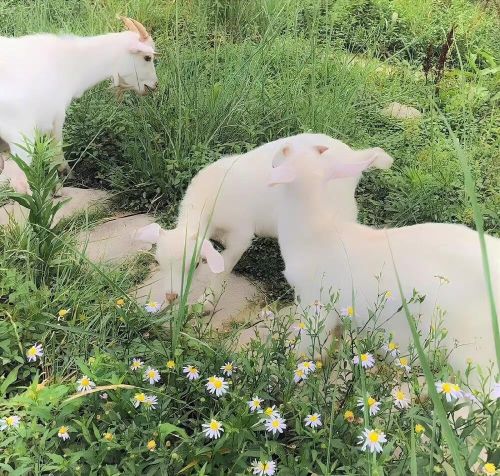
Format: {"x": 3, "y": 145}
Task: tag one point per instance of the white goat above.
{"x": 41, "y": 74}
{"x": 230, "y": 200}
{"x": 323, "y": 251}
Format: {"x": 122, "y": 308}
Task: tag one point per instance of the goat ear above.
{"x": 379, "y": 157}
{"x": 281, "y": 156}
{"x": 282, "y": 174}
{"x": 346, "y": 170}
{"x": 214, "y": 259}
{"x": 149, "y": 233}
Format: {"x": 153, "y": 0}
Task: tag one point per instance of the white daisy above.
{"x": 391, "y": 348}
{"x": 275, "y": 425}
{"x": 372, "y": 440}
{"x": 152, "y": 375}
{"x": 495, "y": 391}
{"x": 228, "y": 368}
{"x": 403, "y": 363}
{"x": 137, "y": 364}
{"x": 255, "y": 404}
{"x": 308, "y": 366}
{"x": 450, "y": 390}
{"x": 63, "y": 433}
{"x": 152, "y": 307}
{"x": 373, "y": 405}
{"x": 271, "y": 412}
{"x": 263, "y": 468}
{"x": 138, "y": 399}
{"x": 191, "y": 372}
{"x": 299, "y": 374}
{"x": 347, "y": 311}
{"x": 313, "y": 420}
{"x": 33, "y": 352}
{"x": 367, "y": 360}
{"x": 85, "y": 384}
{"x": 400, "y": 398}
{"x": 217, "y": 385}
{"x": 9, "y": 422}
{"x": 299, "y": 327}
{"x": 150, "y": 402}
{"x": 213, "y": 429}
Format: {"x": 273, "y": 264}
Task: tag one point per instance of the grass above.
{"x": 235, "y": 74}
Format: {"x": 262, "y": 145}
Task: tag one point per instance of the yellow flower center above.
{"x": 269, "y": 411}
{"x": 447, "y": 387}
{"x": 306, "y": 365}
{"x": 214, "y": 425}
{"x": 85, "y": 382}
{"x": 373, "y": 436}
{"x": 350, "y": 311}
{"x": 120, "y": 302}
{"x": 455, "y": 387}
{"x": 192, "y": 370}
{"x": 62, "y": 312}
{"x": 217, "y": 384}
{"x": 151, "y": 374}
{"x": 400, "y": 395}
{"x": 419, "y": 428}
{"x": 364, "y": 357}
{"x": 108, "y": 436}
{"x": 313, "y": 418}
{"x": 301, "y": 325}
{"x": 10, "y": 420}
{"x": 256, "y": 403}
{"x": 140, "y": 397}
{"x": 63, "y": 429}
{"x": 228, "y": 367}
{"x": 403, "y": 361}
{"x": 170, "y": 364}
{"x": 152, "y": 304}
{"x": 348, "y": 415}
{"x": 266, "y": 466}
{"x": 32, "y": 351}
{"x": 151, "y": 444}
{"x": 489, "y": 468}
{"x": 371, "y": 401}
{"x": 275, "y": 423}
{"x": 319, "y": 364}
{"x": 392, "y": 346}
{"x": 299, "y": 373}
{"x": 388, "y": 294}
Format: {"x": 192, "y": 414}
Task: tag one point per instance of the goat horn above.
{"x": 129, "y": 23}
{"x": 142, "y": 31}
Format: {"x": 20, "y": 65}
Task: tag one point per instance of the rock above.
{"x": 81, "y": 200}
{"x": 400, "y": 111}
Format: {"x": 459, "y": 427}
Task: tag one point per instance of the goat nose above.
{"x": 171, "y": 297}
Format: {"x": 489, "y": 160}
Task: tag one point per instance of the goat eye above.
{"x": 147, "y": 58}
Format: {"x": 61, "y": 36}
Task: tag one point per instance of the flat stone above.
{"x": 81, "y": 200}
{"x": 113, "y": 241}
{"x": 400, "y": 111}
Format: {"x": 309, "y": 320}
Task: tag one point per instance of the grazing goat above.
{"x": 41, "y": 74}
{"x": 323, "y": 251}
{"x": 229, "y": 200}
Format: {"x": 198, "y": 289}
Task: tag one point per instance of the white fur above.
{"x": 230, "y": 200}
{"x": 41, "y": 74}
{"x": 324, "y": 251}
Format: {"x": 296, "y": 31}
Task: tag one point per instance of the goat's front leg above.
{"x": 236, "y": 244}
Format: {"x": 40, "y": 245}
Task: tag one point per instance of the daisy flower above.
{"x": 138, "y": 399}
{"x": 489, "y": 469}
{"x": 108, "y": 436}
{"x": 495, "y": 391}
{"x": 152, "y": 375}
{"x": 367, "y": 360}
{"x": 152, "y": 307}
{"x": 299, "y": 327}
{"x": 275, "y": 425}
{"x": 349, "y": 416}
{"x": 170, "y": 364}
{"x": 61, "y": 315}
{"x": 402, "y": 362}
{"x": 388, "y": 296}
{"x": 151, "y": 445}
{"x": 308, "y": 366}
{"x": 313, "y": 420}
{"x": 299, "y": 374}
{"x": 391, "y": 348}
{"x": 400, "y": 399}
{"x": 120, "y": 303}
{"x": 191, "y": 372}
{"x": 137, "y": 364}
{"x": 372, "y": 440}
{"x": 63, "y": 433}
{"x": 10, "y": 422}
{"x": 263, "y": 468}
{"x": 266, "y": 313}
{"x": 33, "y": 352}
{"x": 373, "y": 405}
{"x": 217, "y": 385}
{"x": 150, "y": 402}
{"x": 254, "y": 404}
{"x": 228, "y": 368}
{"x": 271, "y": 412}
{"x": 419, "y": 428}
{"x": 450, "y": 390}
{"x": 213, "y": 429}
{"x": 85, "y": 384}
{"x": 347, "y": 311}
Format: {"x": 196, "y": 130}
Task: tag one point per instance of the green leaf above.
{"x": 166, "y": 429}
{"x": 11, "y": 378}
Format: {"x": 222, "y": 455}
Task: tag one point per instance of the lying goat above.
{"x": 41, "y": 74}
{"x": 323, "y": 251}
{"x": 229, "y": 200}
